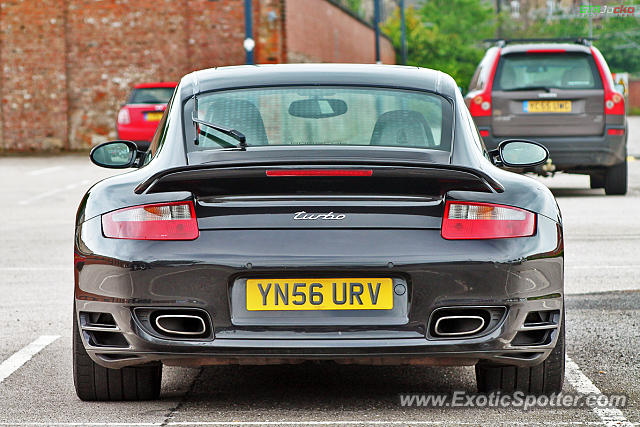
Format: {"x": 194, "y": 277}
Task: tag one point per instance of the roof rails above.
{"x": 578, "y": 40}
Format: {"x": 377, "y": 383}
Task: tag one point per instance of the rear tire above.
{"x": 97, "y": 383}
{"x": 545, "y": 378}
{"x": 596, "y": 181}
{"x": 615, "y": 180}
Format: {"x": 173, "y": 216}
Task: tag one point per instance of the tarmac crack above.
{"x": 172, "y": 411}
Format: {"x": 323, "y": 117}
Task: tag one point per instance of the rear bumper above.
{"x": 575, "y": 152}
{"x": 116, "y": 277}
{"x": 495, "y": 347}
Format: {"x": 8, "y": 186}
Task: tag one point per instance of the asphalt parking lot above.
{"x": 39, "y": 197}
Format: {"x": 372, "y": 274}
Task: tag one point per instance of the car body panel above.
{"x": 241, "y": 237}
{"x": 438, "y": 273}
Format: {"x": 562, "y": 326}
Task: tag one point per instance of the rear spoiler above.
{"x": 398, "y": 177}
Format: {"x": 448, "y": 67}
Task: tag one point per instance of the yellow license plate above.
{"x": 153, "y": 117}
{"x": 320, "y": 294}
{"x": 546, "y": 106}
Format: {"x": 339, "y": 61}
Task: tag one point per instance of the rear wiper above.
{"x": 545, "y": 88}
{"x": 235, "y": 134}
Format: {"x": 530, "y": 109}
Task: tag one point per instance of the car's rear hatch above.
{"x": 547, "y": 93}
{"x": 145, "y": 115}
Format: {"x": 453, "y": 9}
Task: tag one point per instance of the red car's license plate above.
{"x": 153, "y": 117}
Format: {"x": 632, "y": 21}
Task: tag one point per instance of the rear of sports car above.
{"x": 361, "y": 255}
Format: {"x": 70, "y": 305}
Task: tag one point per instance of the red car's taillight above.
{"x": 123, "y": 116}
{"x": 163, "y": 221}
{"x": 468, "y": 220}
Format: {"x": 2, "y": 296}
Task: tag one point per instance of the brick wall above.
{"x": 320, "y": 31}
{"x": 634, "y": 94}
{"x": 33, "y": 80}
{"x": 68, "y": 65}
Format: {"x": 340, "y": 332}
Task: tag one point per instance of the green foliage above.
{"x": 633, "y": 111}
{"x": 445, "y": 35}
{"x": 618, "y": 38}
{"x": 354, "y": 5}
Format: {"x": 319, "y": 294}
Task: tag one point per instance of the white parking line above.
{"x": 603, "y": 267}
{"x": 22, "y": 356}
{"x": 582, "y": 384}
{"x": 44, "y": 170}
{"x": 53, "y": 192}
{"x": 378, "y": 423}
{"x": 312, "y": 423}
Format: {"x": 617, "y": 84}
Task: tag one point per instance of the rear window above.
{"x": 323, "y": 115}
{"x": 151, "y": 95}
{"x": 538, "y": 71}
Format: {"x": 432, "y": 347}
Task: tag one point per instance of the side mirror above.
{"x": 115, "y": 154}
{"x": 519, "y": 153}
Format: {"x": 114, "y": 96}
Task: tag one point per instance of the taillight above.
{"x": 615, "y": 132}
{"x": 123, "y": 117}
{"x": 613, "y": 100}
{"x": 484, "y": 132}
{"x": 163, "y": 221}
{"x": 480, "y": 104}
{"x": 319, "y": 172}
{"x": 469, "y": 220}
{"x": 613, "y": 103}
{"x": 546, "y": 50}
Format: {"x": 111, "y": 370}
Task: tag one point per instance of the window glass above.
{"x": 151, "y": 95}
{"x": 566, "y": 71}
{"x": 323, "y": 115}
{"x": 160, "y": 136}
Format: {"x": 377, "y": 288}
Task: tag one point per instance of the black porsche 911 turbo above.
{"x": 317, "y": 212}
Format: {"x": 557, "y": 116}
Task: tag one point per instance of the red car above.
{"x": 139, "y": 117}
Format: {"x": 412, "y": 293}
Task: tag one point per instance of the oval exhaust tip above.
{"x": 449, "y": 326}
{"x": 181, "y": 324}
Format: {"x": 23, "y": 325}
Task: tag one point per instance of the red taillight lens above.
{"x": 613, "y": 103}
{"x": 480, "y": 105}
{"x": 164, "y": 221}
{"x": 484, "y": 133}
{"x": 319, "y": 172}
{"x": 123, "y": 117}
{"x": 546, "y": 50}
{"x": 467, "y": 220}
{"x": 615, "y": 132}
